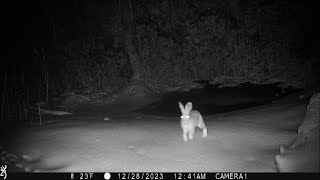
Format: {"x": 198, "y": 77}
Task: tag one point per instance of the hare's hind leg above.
{"x": 203, "y": 127}
{"x": 204, "y": 132}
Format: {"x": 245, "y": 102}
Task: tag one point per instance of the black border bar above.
{"x": 161, "y": 175}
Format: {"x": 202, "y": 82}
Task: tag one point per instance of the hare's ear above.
{"x": 189, "y": 106}
{"x": 181, "y": 106}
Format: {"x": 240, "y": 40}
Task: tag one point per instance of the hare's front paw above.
{"x": 185, "y": 137}
{"x": 190, "y": 135}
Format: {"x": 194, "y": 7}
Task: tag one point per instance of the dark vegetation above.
{"x": 62, "y": 53}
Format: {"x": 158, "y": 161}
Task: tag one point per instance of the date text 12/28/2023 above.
{"x": 182, "y": 176}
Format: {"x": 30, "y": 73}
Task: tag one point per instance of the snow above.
{"x": 246, "y": 140}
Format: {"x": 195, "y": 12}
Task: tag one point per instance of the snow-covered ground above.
{"x": 244, "y": 140}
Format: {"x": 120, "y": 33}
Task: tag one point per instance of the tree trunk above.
{"x": 129, "y": 34}
{"x": 132, "y": 53}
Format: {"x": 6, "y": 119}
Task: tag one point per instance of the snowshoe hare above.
{"x": 191, "y": 119}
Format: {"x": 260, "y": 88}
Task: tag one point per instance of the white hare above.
{"x": 191, "y": 119}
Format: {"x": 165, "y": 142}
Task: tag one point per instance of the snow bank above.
{"x": 303, "y": 154}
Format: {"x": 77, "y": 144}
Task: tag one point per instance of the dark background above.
{"x": 88, "y": 36}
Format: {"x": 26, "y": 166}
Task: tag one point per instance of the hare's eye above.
{"x": 187, "y": 116}
{"x": 181, "y": 117}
